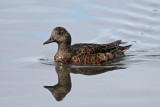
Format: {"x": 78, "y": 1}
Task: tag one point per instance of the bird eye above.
{"x": 60, "y": 33}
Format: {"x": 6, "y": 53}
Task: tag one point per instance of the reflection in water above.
{"x": 63, "y": 87}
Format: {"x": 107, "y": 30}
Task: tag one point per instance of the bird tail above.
{"x": 124, "y": 48}
{"x": 118, "y": 42}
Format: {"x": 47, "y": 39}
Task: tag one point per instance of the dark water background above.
{"x": 25, "y": 25}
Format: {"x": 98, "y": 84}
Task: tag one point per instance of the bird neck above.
{"x": 64, "y": 48}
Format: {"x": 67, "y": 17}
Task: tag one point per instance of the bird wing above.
{"x": 97, "y": 53}
{"x": 87, "y": 49}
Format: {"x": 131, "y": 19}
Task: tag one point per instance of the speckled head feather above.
{"x": 59, "y": 35}
{"x": 84, "y": 53}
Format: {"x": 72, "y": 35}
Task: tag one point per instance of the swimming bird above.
{"x": 84, "y": 53}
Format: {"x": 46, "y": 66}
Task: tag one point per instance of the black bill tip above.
{"x": 50, "y": 40}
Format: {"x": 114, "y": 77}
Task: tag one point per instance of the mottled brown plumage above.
{"x": 84, "y": 53}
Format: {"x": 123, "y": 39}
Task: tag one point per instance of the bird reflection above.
{"x": 63, "y": 87}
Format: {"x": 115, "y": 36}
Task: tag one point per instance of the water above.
{"x": 25, "y": 25}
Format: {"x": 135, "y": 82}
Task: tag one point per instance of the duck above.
{"x": 84, "y": 53}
